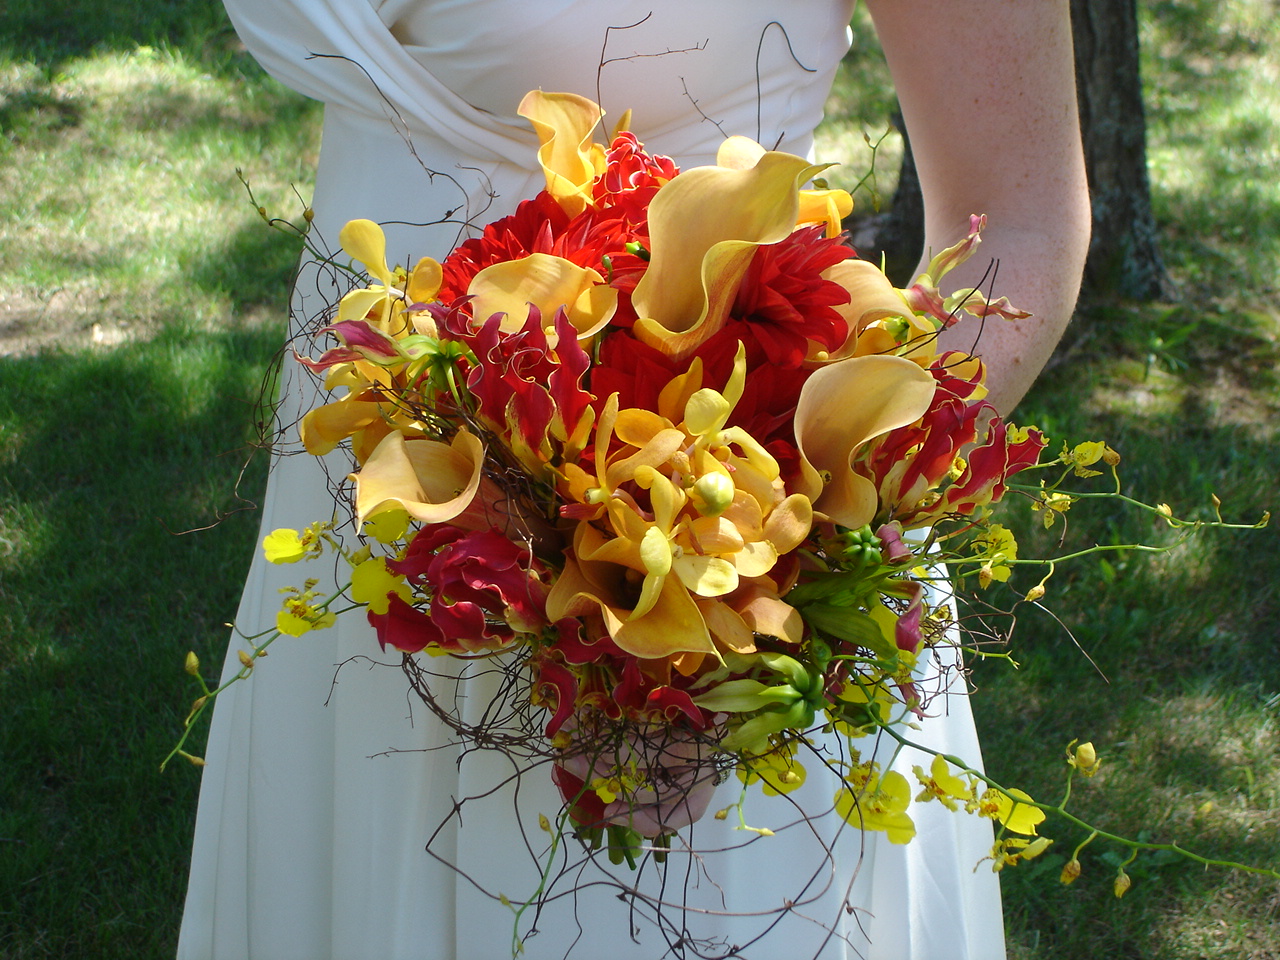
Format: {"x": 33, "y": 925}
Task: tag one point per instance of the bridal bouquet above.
{"x": 662, "y": 449}
{"x": 662, "y": 434}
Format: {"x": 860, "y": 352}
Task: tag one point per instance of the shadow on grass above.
{"x": 50, "y": 34}
{"x": 252, "y": 266}
{"x": 1188, "y": 640}
{"x": 105, "y": 454}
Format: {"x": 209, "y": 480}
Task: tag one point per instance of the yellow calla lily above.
{"x": 547, "y": 282}
{"x": 872, "y": 299}
{"x": 704, "y": 228}
{"x": 433, "y": 482}
{"x": 841, "y": 407}
{"x": 564, "y": 123}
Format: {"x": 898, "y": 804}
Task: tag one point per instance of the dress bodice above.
{"x": 693, "y": 70}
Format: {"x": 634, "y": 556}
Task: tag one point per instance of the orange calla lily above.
{"x": 432, "y": 481}
{"x": 841, "y": 407}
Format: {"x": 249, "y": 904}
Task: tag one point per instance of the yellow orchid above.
{"x": 944, "y": 786}
{"x": 779, "y": 769}
{"x": 299, "y": 615}
{"x": 384, "y": 303}
{"x": 716, "y": 515}
{"x": 1014, "y": 810}
{"x": 870, "y": 800}
{"x": 289, "y": 546}
{"x": 372, "y": 585}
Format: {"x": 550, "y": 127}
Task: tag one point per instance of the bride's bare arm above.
{"x": 987, "y": 89}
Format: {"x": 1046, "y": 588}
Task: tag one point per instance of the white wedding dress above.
{"x": 324, "y": 783}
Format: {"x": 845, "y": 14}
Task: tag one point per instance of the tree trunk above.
{"x": 1124, "y": 254}
{"x": 900, "y": 237}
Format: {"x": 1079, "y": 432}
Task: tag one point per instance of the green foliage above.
{"x": 107, "y": 459}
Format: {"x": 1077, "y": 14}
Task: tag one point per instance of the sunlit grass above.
{"x": 119, "y": 201}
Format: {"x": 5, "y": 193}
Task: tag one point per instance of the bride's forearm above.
{"x": 1039, "y": 271}
{"x": 987, "y": 88}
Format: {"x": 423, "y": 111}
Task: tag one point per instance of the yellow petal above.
{"x": 357, "y": 304}
{"x": 547, "y": 282}
{"x": 728, "y": 629}
{"x": 789, "y": 523}
{"x": 283, "y": 546}
{"x": 739, "y": 153}
{"x": 655, "y": 552}
{"x": 755, "y": 559}
{"x": 564, "y": 123}
{"x": 424, "y": 282}
{"x": 323, "y": 428}
{"x": 1018, "y": 817}
{"x": 773, "y": 618}
{"x": 706, "y": 412}
{"x": 674, "y": 625}
{"x": 704, "y": 226}
{"x": 706, "y": 576}
{"x": 372, "y": 584}
{"x": 841, "y": 407}
{"x": 825, "y": 206}
{"x": 432, "y": 481}
{"x": 656, "y": 451}
{"x": 364, "y": 240}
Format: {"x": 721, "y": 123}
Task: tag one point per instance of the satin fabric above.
{"x": 327, "y": 825}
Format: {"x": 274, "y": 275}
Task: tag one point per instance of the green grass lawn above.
{"x": 142, "y": 301}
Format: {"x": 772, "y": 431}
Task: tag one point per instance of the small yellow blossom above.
{"x": 999, "y": 548}
{"x": 300, "y": 616}
{"x": 1084, "y": 758}
{"x": 871, "y": 801}
{"x": 1013, "y": 809}
{"x": 388, "y": 526}
{"x": 1084, "y": 455}
{"x": 289, "y": 546}
{"x": 943, "y": 785}
{"x": 1123, "y": 883}
{"x": 1071, "y": 872}
{"x": 1013, "y": 850}
{"x": 373, "y": 585}
{"x": 1052, "y": 504}
{"x": 778, "y": 769}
